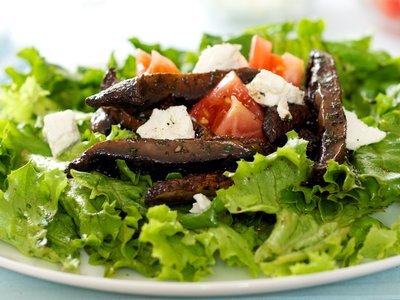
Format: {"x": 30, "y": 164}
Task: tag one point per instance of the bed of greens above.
{"x": 279, "y": 229}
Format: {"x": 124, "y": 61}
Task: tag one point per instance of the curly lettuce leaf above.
{"x": 188, "y": 255}
{"x": 108, "y": 213}
{"x": 66, "y": 90}
{"x": 16, "y": 143}
{"x": 299, "y": 243}
{"x": 380, "y": 162}
{"x": 258, "y": 184}
{"x": 30, "y": 218}
{"x": 232, "y": 247}
{"x": 363, "y": 73}
{"x": 320, "y": 227}
{"x": 181, "y": 256}
{"x": 25, "y": 103}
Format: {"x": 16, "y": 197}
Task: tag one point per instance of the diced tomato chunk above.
{"x": 213, "y": 109}
{"x": 238, "y": 121}
{"x": 290, "y": 67}
{"x": 294, "y": 69}
{"x": 276, "y": 65}
{"x": 143, "y": 60}
{"x": 154, "y": 63}
{"x": 260, "y": 52}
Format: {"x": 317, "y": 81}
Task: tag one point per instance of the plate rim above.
{"x": 151, "y": 287}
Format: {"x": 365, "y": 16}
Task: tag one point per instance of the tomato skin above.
{"x": 294, "y": 69}
{"x": 260, "y": 52}
{"x": 143, "y": 60}
{"x": 161, "y": 64}
{"x": 218, "y": 100}
{"x": 238, "y": 121}
{"x": 288, "y": 66}
{"x": 276, "y": 65}
{"x": 154, "y": 63}
{"x": 214, "y": 108}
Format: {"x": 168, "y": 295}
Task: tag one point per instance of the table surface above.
{"x": 380, "y": 286}
{"x": 47, "y": 25}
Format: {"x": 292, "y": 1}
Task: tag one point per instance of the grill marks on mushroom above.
{"x": 324, "y": 98}
{"x": 149, "y": 90}
{"x": 182, "y": 190}
{"x": 130, "y": 102}
{"x": 275, "y": 128}
{"x": 160, "y": 157}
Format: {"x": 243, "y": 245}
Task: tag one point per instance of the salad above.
{"x": 272, "y": 218}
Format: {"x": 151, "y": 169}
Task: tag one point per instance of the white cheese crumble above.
{"x": 99, "y": 116}
{"x": 61, "y": 131}
{"x": 360, "y": 134}
{"x": 170, "y": 124}
{"x": 269, "y": 89}
{"x": 220, "y": 57}
{"x": 202, "y": 203}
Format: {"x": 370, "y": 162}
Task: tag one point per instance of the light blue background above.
{"x": 384, "y": 285}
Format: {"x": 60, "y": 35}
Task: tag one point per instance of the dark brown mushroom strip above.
{"x": 141, "y": 92}
{"x": 160, "y": 157}
{"x": 105, "y": 117}
{"x": 181, "y": 190}
{"x": 324, "y": 97}
{"x": 109, "y": 79}
{"x": 308, "y": 133}
{"x": 275, "y": 128}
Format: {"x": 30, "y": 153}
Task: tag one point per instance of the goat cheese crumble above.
{"x": 61, "y": 131}
{"x": 360, "y": 134}
{"x": 220, "y": 57}
{"x": 169, "y": 124}
{"x": 269, "y": 89}
{"x": 202, "y": 203}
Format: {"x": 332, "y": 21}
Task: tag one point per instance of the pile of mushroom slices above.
{"x": 202, "y": 159}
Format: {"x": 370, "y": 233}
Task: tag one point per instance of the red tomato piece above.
{"x": 161, "y": 64}
{"x": 260, "y": 52}
{"x": 288, "y": 66}
{"x": 143, "y": 60}
{"x": 211, "y": 111}
{"x": 294, "y": 69}
{"x": 390, "y": 8}
{"x": 276, "y": 65}
{"x": 238, "y": 121}
{"x": 154, "y": 63}
{"x": 218, "y": 100}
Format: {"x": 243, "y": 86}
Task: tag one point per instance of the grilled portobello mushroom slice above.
{"x": 150, "y": 90}
{"x": 160, "y": 157}
{"x": 104, "y": 117}
{"x": 275, "y": 128}
{"x": 324, "y": 99}
{"x": 109, "y": 79}
{"x": 181, "y": 190}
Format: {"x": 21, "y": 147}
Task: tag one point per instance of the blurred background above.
{"x": 85, "y": 32}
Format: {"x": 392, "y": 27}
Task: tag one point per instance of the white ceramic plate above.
{"x": 225, "y": 281}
